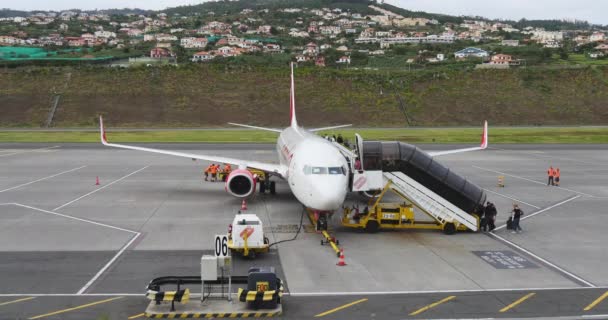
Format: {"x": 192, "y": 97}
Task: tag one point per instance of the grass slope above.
{"x": 439, "y": 135}
{"x": 211, "y": 95}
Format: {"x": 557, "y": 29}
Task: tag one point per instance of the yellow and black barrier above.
{"x": 258, "y": 296}
{"x": 213, "y": 315}
{"x": 181, "y": 296}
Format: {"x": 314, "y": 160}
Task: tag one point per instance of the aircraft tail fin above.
{"x": 292, "y": 102}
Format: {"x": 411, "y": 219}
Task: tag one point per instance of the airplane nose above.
{"x": 330, "y": 197}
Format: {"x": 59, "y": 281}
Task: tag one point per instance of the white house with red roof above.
{"x": 311, "y": 49}
{"x": 344, "y": 59}
{"x": 202, "y": 56}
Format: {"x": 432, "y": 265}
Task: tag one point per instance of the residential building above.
{"x": 344, "y": 59}
{"x": 192, "y": 42}
{"x": 311, "y": 49}
{"x": 105, "y": 34}
{"x": 471, "y": 53}
{"x": 264, "y": 29}
{"x": 510, "y": 43}
{"x": 597, "y": 37}
{"x": 301, "y": 58}
{"x": 501, "y": 59}
{"x": 158, "y": 53}
{"x": 166, "y": 37}
{"x": 272, "y": 48}
{"x": 202, "y": 56}
{"x": 552, "y": 44}
{"x": 342, "y": 48}
{"x": 330, "y": 30}
{"x": 602, "y": 47}
{"x": 8, "y": 40}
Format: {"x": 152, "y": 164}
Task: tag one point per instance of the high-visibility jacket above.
{"x": 208, "y": 169}
{"x": 214, "y": 169}
{"x": 551, "y": 172}
{"x": 227, "y": 168}
{"x": 556, "y": 174}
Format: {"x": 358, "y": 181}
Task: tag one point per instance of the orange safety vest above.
{"x": 214, "y": 169}
{"x": 227, "y": 168}
{"x": 556, "y": 174}
{"x": 550, "y": 172}
{"x": 208, "y": 169}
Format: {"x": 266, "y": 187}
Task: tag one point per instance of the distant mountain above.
{"x": 6, "y": 13}
{"x": 358, "y": 6}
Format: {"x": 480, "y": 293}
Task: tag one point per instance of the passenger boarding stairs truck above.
{"x": 452, "y": 202}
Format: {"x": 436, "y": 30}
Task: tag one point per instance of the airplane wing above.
{"x": 266, "y": 167}
{"x": 254, "y": 127}
{"x": 484, "y": 145}
{"x": 329, "y": 128}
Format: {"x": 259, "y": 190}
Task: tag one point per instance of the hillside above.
{"x": 211, "y": 95}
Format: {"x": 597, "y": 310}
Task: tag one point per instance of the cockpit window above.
{"x": 319, "y": 170}
{"x": 323, "y": 170}
{"x": 336, "y": 170}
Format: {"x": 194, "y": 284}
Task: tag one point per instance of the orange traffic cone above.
{"x": 244, "y": 205}
{"x": 341, "y": 262}
{"x": 97, "y": 180}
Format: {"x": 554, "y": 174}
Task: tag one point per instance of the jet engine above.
{"x": 240, "y": 183}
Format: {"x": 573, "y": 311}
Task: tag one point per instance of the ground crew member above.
{"x": 550, "y": 173}
{"x": 340, "y": 140}
{"x": 491, "y": 213}
{"x": 517, "y": 213}
{"x": 227, "y": 170}
{"x": 208, "y": 170}
{"x": 483, "y": 221}
{"x": 557, "y": 174}
{"x": 214, "y": 169}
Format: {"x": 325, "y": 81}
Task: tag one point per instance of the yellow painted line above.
{"x": 340, "y": 308}
{"x": 15, "y": 301}
{"x": 432, "y": 305}
{"x": 596, "y": 301}
{"x": 517, "y": 302}
{"x": 74, "y": 308}
{"x": 137, "y": 316}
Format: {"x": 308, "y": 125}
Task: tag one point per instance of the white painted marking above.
{"x": 372, "y": 293}
{"x": 99, "y": 189}
{"x": 599, "y": 316}
{"x": 28, "y": 151}
{"x": 541, "y": 211}
{"x": 537, "y": 182}
{"x": 514, "y": 199}
{"x": 41, "y": 179}
{"x": 102, "y": 270}
{"x": 75, "y": 218}
{"x": 530, "y": 253}
{"x": 304, "y": 294}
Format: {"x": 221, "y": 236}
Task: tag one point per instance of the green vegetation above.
{"x": 426, "y": 135}
{"x": 209, "y": 95}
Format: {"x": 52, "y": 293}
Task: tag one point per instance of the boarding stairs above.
{"x": 434, "y": 205}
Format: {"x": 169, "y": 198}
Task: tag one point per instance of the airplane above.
{"x": 316, "y": 169}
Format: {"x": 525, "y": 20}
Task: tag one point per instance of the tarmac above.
{"x": 71, "y": 249}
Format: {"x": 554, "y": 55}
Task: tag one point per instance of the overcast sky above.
{"x": 594, "y": 11}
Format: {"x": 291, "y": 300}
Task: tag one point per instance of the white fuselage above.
{"x": 317, "y": 173}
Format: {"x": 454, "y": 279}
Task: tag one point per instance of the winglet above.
{"x": 484, "y": 136}
{"x": 292, "y": 102}
{"x": 102, "y": 132}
